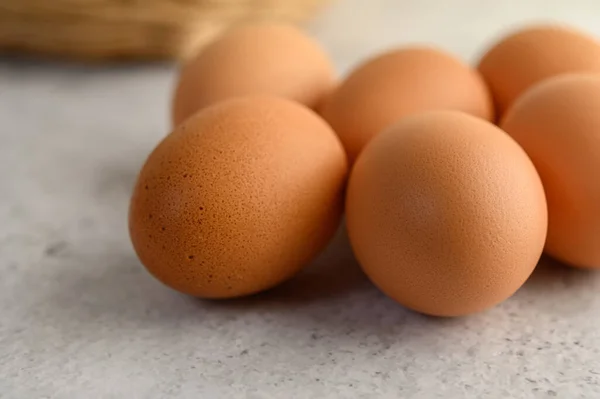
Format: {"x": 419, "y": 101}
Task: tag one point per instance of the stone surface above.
{"x": 82, "y": 319}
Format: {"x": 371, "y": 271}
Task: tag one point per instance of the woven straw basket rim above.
{"x": 104, "y": 29}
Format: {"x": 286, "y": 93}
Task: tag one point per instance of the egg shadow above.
{"x": 334, "y": 292}
{"x": 550, "y": 273}
{"x": 333, "y": 295}
{"x": 333, "y": 274}
{"x": 555, "y": 290}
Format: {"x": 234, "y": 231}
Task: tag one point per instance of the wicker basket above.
{"x": 108, "y": 29}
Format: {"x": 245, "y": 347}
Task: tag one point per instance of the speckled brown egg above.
{"x": 238, "y": 198}
{"x": 533, "y": 54}
{"x": 446, "y": 213}
{"x": 263, "y": 58}
{"x": 557, "y": 122}
{"x": 398, "y": 83}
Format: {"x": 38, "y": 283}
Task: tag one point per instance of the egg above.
{"x": 399, "y": 83}
{"x": 533, "y": 54}
{"x": 238, "y": 198}
{"x": 557, "y": 122}
{"x": 264, "y": 58}
{"x": 446, "y": 213}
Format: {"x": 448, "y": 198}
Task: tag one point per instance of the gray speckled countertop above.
{"x": 82, "y": 319}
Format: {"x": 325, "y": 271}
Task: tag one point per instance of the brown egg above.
{"x": 255, "y": 59}
{"x": 399, "y": 83}
{"x": 558, "y": 124}
{"x": 446, "y": 213}
{"x": 238, "y": 198}
{"x": 531, "y": 55}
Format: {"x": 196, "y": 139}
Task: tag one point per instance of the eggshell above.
{"x": 557, "y": 122}
{"x": 238, "y": 198}
{"x": 533, "y": 54}
{"x": 446, "y": 213}
{"x": 255, "y": 59}
{"x": 399, "y": 83}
